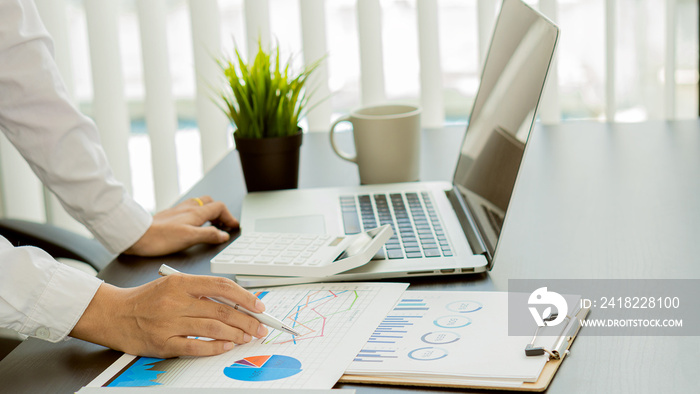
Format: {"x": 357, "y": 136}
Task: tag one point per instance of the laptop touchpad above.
{"x": 307, "y": 224}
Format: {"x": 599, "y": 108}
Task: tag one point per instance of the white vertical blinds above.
{"x": 486, "y": 18}
{"x": 610, "y": 46}
{"x": 670, "y": 68}
{"x": 369, "y": 21}
{"x": 53, "y": 14}
{"x": 431, "y": 95}
{"x": 257, "y": 25}
{"x": 23, "y": 197}
{"x": 206, "y": 44}
{"x": 161, "y": 120}
{"x": 313, "y": 35}
{"x": 109, "y": 105}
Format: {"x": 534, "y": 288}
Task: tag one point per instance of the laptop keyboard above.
{"x": 418, "y": 231}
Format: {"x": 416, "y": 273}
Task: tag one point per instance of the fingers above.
{"x": 214, "y": 211}
{"x": 180, "y": 346}
{"x": 223, "y": 289}
{"x": 210, "y": 235}
{"x": 217, "y": 211}
{"x": 220, "y": 321}
{"x": 199, "y": 201}
{"x": 197, "y": 235}
{"x": 232, "y": 327}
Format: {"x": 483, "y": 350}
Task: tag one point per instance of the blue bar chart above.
{"x": 410, "y": 304}
{"x": 392, "y": 330}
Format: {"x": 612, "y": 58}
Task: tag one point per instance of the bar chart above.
{"x": 394, "y": 328}
{"x": 416, "y": 320}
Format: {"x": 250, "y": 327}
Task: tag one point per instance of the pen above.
{"x": 264, "y": 318}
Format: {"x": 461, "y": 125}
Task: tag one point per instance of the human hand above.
{"x": 156, "y": 318}
{"x": 180, "y": 227}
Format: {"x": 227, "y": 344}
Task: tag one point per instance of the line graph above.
{"x": 314, "y": 314}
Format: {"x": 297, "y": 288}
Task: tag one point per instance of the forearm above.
{"x": 61, "y": 145}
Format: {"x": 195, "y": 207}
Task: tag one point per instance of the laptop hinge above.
{"x": 466, "y": 220}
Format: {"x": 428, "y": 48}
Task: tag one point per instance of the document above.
{"x": 335, "y": 320}
{"x": 451, "y": 337}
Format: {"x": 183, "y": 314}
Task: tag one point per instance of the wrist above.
{"x": 104, "y": 319}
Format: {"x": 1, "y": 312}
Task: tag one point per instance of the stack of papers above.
{"x": 406, "y": 337}
{"x": 456, "y": 338}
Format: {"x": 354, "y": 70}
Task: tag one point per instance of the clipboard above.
{"x": 541, "y": 384}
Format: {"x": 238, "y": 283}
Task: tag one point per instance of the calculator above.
{"x": 292, "y": 254}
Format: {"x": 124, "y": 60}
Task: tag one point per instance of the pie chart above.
{"x": 263, "y": 368}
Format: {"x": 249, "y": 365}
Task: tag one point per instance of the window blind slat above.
{"x": 161, "y": 120}
{"x": 486, "y": 20}
{"x": 610, "y": 40}
{"x": 54, "y": 16}
{"x": 430, "y": 65}
{"x": 257, "y": 25}
{"x": 109, "y": 108}
{"x": 369, "y": 21}
{"x": 670, "y": 61}
{"x": 206, "y": 42}
{"x": 313, "y": 34}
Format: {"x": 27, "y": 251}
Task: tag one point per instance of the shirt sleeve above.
{"x": 60, "y": 144}
{"x": 39, "y": 296}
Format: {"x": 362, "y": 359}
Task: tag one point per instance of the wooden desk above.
{"x": 593, "y": 200}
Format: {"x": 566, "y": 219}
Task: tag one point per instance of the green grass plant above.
{"x": 265, "y": 98}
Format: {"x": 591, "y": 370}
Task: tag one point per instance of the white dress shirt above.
{"x": 39, "y": 296}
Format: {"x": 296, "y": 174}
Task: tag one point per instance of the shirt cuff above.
{"x": 65, "y": 298}
{"x": 123, "y": 226}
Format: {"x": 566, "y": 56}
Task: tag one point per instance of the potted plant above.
{"x": 264, "y": 100}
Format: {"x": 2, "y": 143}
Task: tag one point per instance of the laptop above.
{"x": 440, "y": 228}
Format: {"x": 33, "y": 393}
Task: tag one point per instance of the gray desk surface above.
{"x": 593, "y": 200}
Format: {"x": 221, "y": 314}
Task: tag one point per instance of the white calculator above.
{"x": 291, "y": 254}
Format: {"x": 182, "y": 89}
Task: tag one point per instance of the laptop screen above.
{"x": 522, "y": 48}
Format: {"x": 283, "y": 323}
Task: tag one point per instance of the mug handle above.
{"x": 337, "y": 150}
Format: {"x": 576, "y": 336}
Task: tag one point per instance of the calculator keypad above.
{"x": 274, "y": 249}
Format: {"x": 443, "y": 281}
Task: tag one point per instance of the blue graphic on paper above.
{"x": 139, "y": 374}
{"x": 263, "y": 368}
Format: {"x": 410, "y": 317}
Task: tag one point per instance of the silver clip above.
{"x": 532, "y": 350}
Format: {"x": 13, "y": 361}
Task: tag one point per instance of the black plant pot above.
{"x": 270, "y": 163}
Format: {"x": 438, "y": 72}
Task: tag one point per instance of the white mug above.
{"x": 387, "y": 142}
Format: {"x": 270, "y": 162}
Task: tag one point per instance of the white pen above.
{"x": 264, "y": 318}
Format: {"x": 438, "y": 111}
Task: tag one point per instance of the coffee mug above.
{"x": 387, "y": 143}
